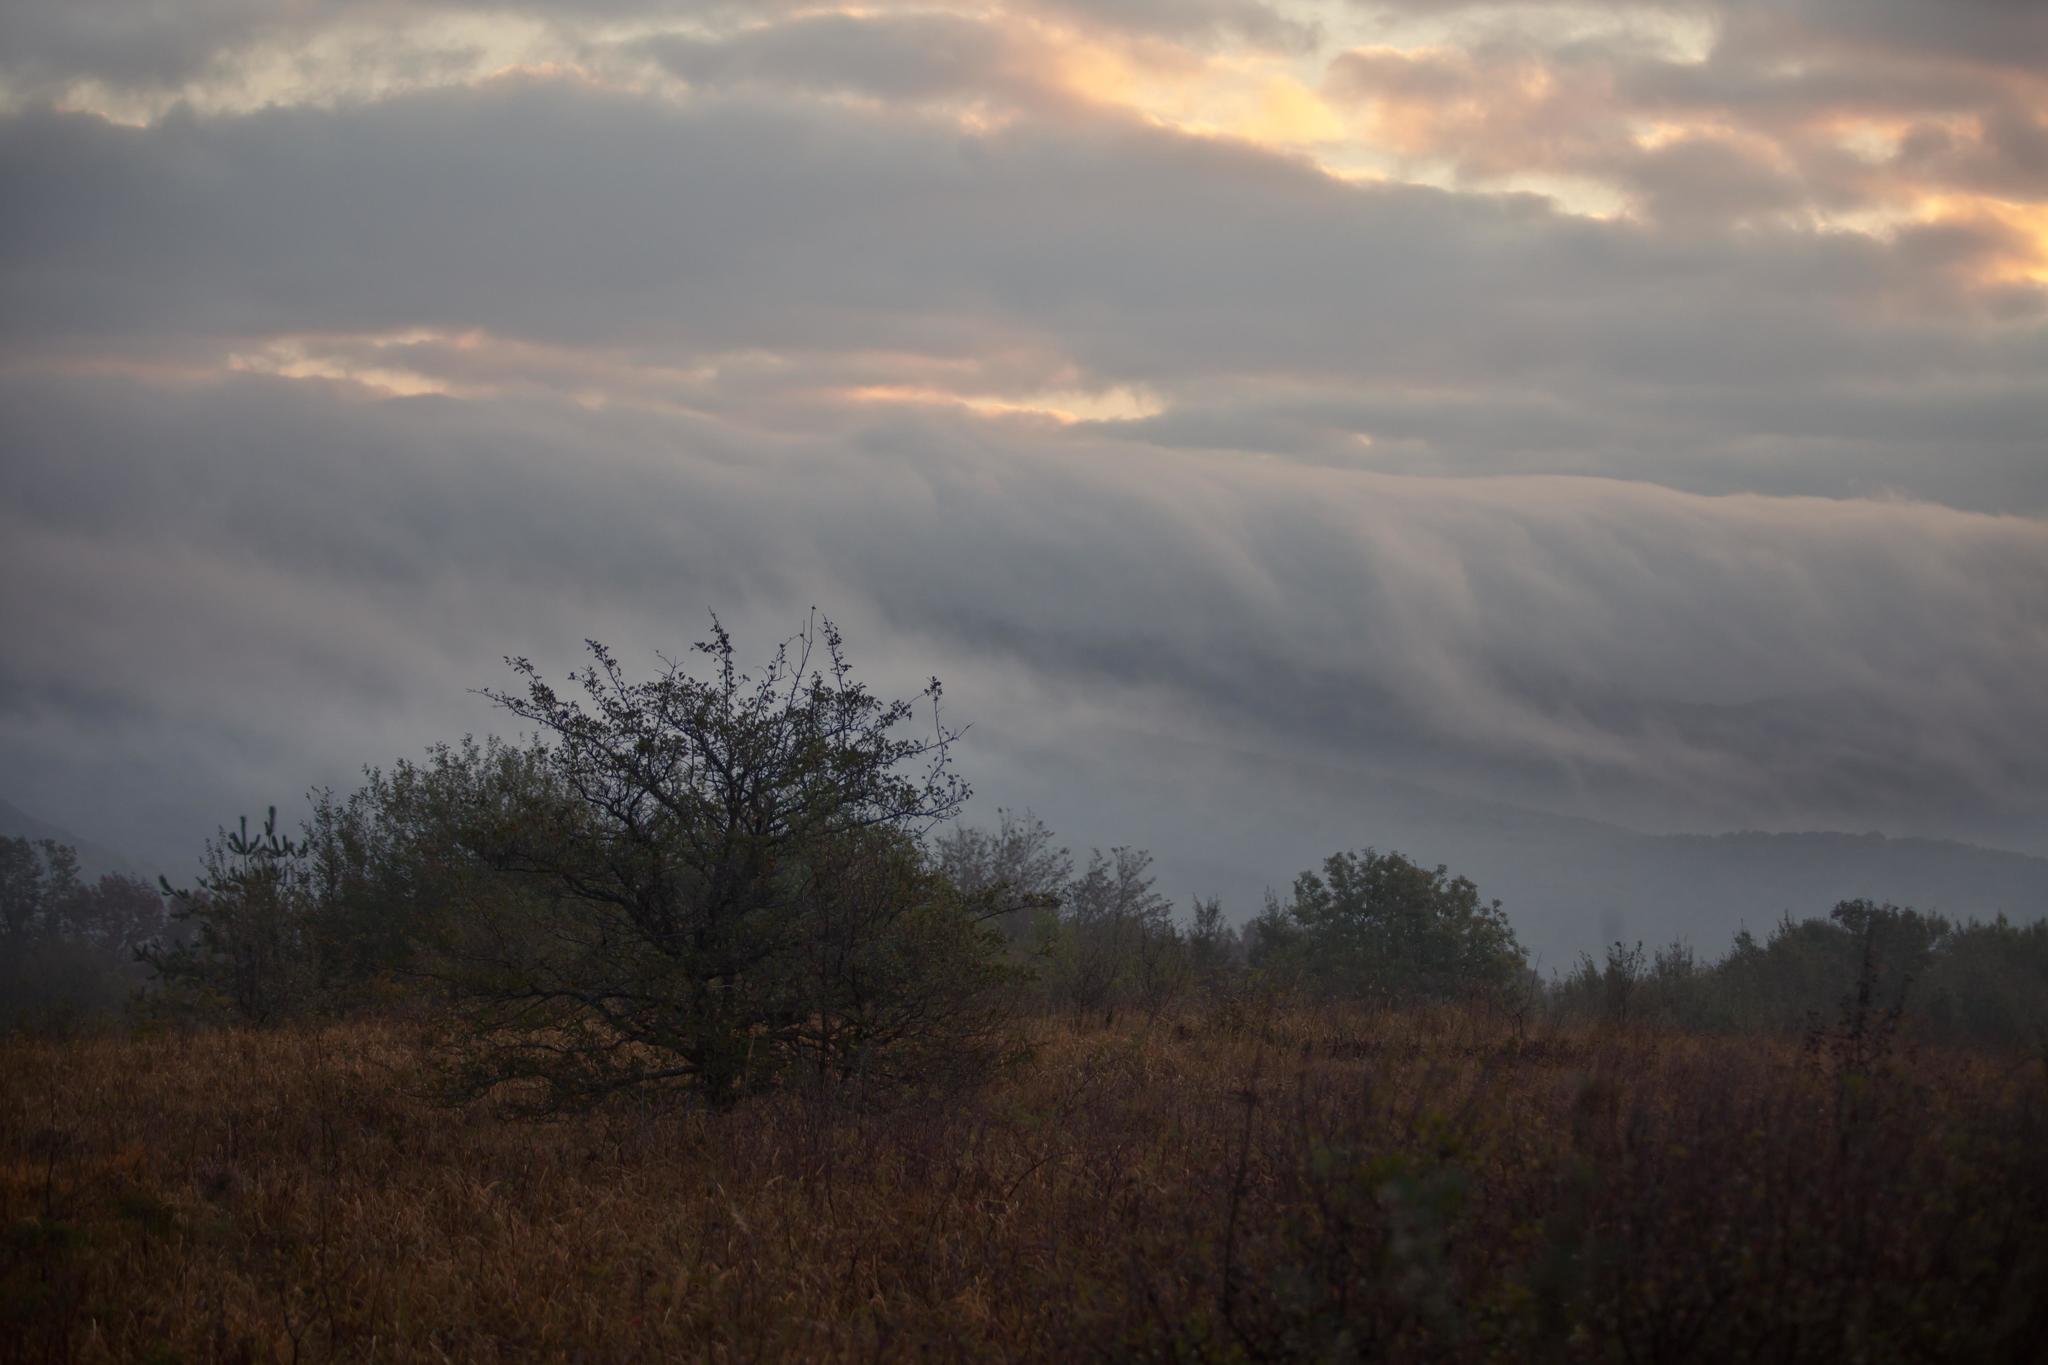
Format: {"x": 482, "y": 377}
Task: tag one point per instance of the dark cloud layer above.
{"x": 229, "y": 560}
{"x": 910, "y": 57}
{"x": 1240, "y": 287}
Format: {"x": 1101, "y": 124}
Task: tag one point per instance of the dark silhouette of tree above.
{"x": 1017, "y": 868}
{"x": 729, "y": 879}
{"x": 1377, "y": 926}
{"x": 247, "y": 945}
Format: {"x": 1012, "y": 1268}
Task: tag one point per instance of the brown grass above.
{"x": 1309, "y": 1186}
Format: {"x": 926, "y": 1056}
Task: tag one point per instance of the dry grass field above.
{"x": 1219, "y": 1185}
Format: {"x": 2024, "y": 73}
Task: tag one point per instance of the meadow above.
{"x": 1241, "y": 1180}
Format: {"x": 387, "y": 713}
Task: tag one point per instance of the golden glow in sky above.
{"x": 1693, "y": 123}
{"x": 1473, "y": 96}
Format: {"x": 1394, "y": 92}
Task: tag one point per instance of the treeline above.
{"x": 1936, "y": 978}
{"x": 70, "y": 948}
{"x": 1368, "y": 926}
{"x": 723, "y": 881}
{"x": 348, "y": 914}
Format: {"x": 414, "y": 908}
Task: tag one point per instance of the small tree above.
{"x": 1017, "y": 870}
{"x": 732, "y": 881}
{"x": 896, "y": 976}
{"x": 1614, "y": 990}
{"x": 248, "y": 947}
{"x": 1379, "y": 926}
{"x": 37, "y": 878}
{"x": 1215, "y": 952}
{"x": 398, "y": 860}
{"x": 1116, "y": 941}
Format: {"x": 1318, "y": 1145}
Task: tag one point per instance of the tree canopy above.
{"x": 1376, "y": 925}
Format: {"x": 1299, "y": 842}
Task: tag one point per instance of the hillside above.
{"x": 1238, "y": 823}
{"x": 94, "y": 860}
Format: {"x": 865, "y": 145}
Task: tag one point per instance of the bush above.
{"x": 1376, "y": 926}
{"x": 1016, "y": 870}
{"x": 397, "y": 863}
{"x": 1989, "y": 983}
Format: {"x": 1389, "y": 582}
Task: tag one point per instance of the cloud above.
{"x": 1998, "y": 33}
{"x": 1211, "y": 22}
{"x": 1011, "y": 337}
{"x": 166, "y": 44}
{"x": 796, "y": 250}
{"x": 1809, "y": 113}
{"x": 308, "y": 573}
{"x": 909, "y": 57}
{"x": 49, "y": 47}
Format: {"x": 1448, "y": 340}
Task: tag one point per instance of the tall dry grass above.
{"x": 1427, "y": 1185}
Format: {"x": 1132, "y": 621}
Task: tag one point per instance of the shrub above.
{"x": 1377, "y": 926}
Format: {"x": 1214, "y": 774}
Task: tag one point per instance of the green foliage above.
{"x": 713, "y": 881}
{"x": 703, "y": 882}
{"x": 1097, "y": 941}
{"x": 37, "y": 877}
{"x": 346, "y": 913}
{"x": 1376, "y": 926}
{"x": 395, "y": 864}
{"x": 1989, "y": 981}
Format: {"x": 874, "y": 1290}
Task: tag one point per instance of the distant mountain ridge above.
{"x": 1586, "y": 885}
{"x": 1808, "y": 873}
{"x": 1570, "y": 884}
{"x": 94, "y": 860}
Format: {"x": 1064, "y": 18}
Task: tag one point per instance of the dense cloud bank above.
{"x": 1634, "y": 412}
{"x": 1263, "y": 305}
{"x": 284, "y": 566}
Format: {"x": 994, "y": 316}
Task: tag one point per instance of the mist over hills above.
{"x": 1233, "y": 824}
{"x": 1619, "y": 884}
{"x": 1224, "y": 823}
{"x": 94, "y": 860}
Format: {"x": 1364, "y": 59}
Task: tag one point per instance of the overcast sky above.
{"x": 1636, "y": 411}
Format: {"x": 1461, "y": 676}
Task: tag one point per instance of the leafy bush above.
{"x": 1376, "y": 926}
{"x": 398, "y": 863}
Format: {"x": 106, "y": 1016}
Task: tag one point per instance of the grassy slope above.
{"x": 1417, "y": 1186}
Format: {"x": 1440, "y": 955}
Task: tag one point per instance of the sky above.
{"x": 1625, "y": 411}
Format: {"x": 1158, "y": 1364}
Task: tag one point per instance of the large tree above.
{"x": 730, "y": 879}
